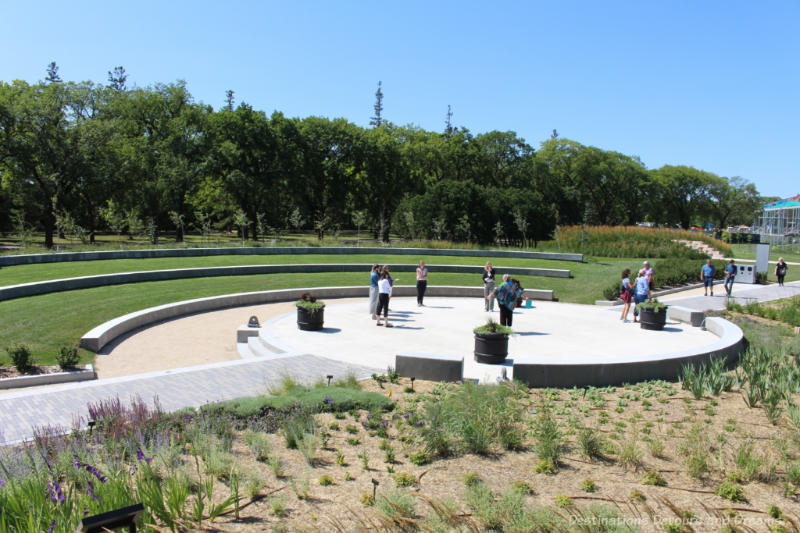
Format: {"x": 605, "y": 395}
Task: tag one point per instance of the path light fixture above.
{"x": 253, "y": 322}
{"x": 91, "y": 425}
{"x": 123, "y": 518}
{"x": 375, "y": 484}
{"x": 412, "y": 382}
{"x": 330, "y": 377}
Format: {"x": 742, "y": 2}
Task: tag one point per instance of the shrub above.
{"x": 654, "y": 478}
{"x": 588, "y": 485}
{"x": 404, "y": 479}
{"x": 259, "y": 444}
{"x": 522, "y": 487}
{"x": 730, "y": 491}
{"x": 21, "y": 357}
{"x": 419, "y": 458}
{"x": 548, "y": 439}
{"x": 397, "y": 506}
{"x": 590, "y": 443}
{"x": 471, "y": 478}
{"x": 325, "y": 480}
{"x": 67, "y": 357}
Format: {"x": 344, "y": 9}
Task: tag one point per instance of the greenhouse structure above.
{"x": 779, "y": 222}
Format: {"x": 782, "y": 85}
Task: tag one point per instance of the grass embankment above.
{"x": 13, "y": 275}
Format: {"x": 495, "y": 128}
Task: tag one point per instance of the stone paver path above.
{"x": 742, "y": 294}
{"x": 58, "y": 405}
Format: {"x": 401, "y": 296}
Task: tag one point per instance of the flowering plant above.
{"x": 310, "y": 303}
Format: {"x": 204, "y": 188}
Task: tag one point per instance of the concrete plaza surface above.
{"x": 567, "y": 333}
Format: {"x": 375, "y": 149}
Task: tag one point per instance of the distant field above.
{"x": 748, "y": 251}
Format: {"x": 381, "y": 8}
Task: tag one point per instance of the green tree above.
{"x": 681, "y": 194}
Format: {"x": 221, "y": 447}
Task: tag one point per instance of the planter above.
{"x": 653, "y": 319}
{"x": 308, "y": 320}
{"x": 491, "y": 348}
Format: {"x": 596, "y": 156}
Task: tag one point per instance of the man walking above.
{"x": 730, "y": 274}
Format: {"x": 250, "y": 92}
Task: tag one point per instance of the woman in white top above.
{"x": 422, "y": 282}
{"x": 384, "y": 292}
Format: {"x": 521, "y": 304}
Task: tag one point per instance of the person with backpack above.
{"x": 506, "y": 295}
{"x": 626, "y": 293}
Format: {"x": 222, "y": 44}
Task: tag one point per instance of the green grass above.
{"x": 790, "y": 253}
{"x": 13, "y": 275}
{"x": 49, "y": 321}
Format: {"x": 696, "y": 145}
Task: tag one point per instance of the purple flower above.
{"x": 96, "y": 473}
{"x": 56, "y": 494}
{"x": 76, "y": 462}
{"x": 2, "y": 482}
{"x": 141, "y": 457}
{"x": 52, "y": 527}
{"x": 85, "y": 510}
{"x": 328, "y": 400}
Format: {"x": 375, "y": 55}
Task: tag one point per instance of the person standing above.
{"x": 730, "y": 274}
{"x": 488, "y": 286}
{"x": 374, "y": 277}
{"x": 626, "y": 293}
{"x": 707, "y": 276}
{"x": 780, "y": 271}
{"x": 641, "y": 290}
{"x": 384, "y": 293}
{"x": 648, "y": 271}
{"x": 507, "y": 295}
{"x": 389, "y": 277}
{"x": 422, "y": 282}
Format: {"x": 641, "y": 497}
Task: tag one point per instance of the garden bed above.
{"x": 11, "y": 378}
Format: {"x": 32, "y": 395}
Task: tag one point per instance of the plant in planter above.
{"x": 491, "y": 342}
{"x": 310, "y": 313}
{"x": 652, "y": 315}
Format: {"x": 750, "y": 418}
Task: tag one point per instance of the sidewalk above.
{"x": 58, "y": 405}
{"x": 741, "y": 294}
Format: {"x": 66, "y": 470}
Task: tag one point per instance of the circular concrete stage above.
{"x": 547, "y": 335}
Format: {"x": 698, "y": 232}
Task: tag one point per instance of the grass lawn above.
{"x": 13, "y": 275}
{"x": 790, "y": 253}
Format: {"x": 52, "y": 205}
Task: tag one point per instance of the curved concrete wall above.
{"x": 552, "y": 373}
{"x": 11, "y": 260}
{"x": 85, "y": 282}
{"x": 101, "y": 335}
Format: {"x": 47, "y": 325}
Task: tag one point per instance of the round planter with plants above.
{"x": 491, "y": 343}
{"x": 310, "y": 313}
{"x": 652, "y": 315}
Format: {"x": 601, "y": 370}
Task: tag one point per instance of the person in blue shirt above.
{"x": 641, "y": 288}
{"x": 730, "y": 274}
{"x": 374, "y": 277}
{"x": 707, "y": 276}
{"x": 507, "y": 295}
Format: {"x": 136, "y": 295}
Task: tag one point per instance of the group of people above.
{"x": 380, "y": 291}
{"x": 637, "y": 290}
{"x": 508, "y": 294}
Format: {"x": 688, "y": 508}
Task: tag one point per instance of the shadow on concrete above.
{"x": 330, "y": 330}
{"x": 529, "y": 333}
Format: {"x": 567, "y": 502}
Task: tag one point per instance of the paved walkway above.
{"x": 742, "y": 294}
{"x": 59, "y": 405}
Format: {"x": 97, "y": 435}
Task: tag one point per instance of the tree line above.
{"x": 81, "y": 158}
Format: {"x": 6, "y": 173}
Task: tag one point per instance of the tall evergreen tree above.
{"x": 229, "y": 100}
{"x": 377, "y": 120}
{"x": 117, "y": 78}
{"x": 448, "y": 122}
{"x": 52, "y": 73}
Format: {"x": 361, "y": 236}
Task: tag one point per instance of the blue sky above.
{"x": 710, "y": 84}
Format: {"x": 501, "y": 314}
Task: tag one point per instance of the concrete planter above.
{"x": 68, "y": 376}
{"x": 491, "y": 348}
{"x": 653, "y": 320}
{"x": 308, "y": 320}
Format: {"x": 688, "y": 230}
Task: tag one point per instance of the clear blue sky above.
{"x": 711, "y": 84}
